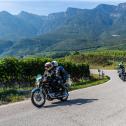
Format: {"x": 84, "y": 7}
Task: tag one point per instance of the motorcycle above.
{"x": 122, "y": 73}
{"x": 44, "y": 91}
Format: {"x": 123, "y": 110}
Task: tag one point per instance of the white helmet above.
{"x": 48, "y": 66}
{"x": 54, "y": 63}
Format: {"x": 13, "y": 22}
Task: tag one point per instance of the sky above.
{"x": 45, "y": 7}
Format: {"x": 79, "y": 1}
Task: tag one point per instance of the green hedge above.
{"x": 21, "y": 72}
{"x": 76, "y": 71}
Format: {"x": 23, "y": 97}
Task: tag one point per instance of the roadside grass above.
{"x": 112, "y": 66}
{"x": 19, "y": 94}
{"x": 13, "y": 95}
{"x": 105, "y": 67}
{"x": 88, "y": 83}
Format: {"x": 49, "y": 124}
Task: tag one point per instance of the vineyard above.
{"x": 99, "y": 58}
{"x": 18, "y": 73}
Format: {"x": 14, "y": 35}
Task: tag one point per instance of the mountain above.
{"x": 12, "y": 27}
{"x": 72, "y": 30}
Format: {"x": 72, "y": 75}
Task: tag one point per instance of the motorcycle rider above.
{"x": 122, "y": 68}
{"x": 59, "y": 71}
{"x": 60, "y": 74}
{"x": 55, "y": 74}
{"x": 48, "y": 71}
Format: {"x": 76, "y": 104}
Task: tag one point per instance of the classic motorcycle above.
{"x": 45, "y": 91}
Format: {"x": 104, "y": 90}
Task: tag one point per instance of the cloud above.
{"x": 44, "y": 7}
{"x": 40, "y": 6}
{"x": 92, "y": 1}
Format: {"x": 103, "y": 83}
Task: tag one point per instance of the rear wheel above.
{"x": 66, "y": 95}
{"x": 38, "y": 98}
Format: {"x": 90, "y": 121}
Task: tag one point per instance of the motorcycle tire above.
{"x": 65, "y": 98}
{"x": 33, "y": 99}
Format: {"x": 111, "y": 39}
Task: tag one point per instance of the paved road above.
{"x": 103, "y": 105}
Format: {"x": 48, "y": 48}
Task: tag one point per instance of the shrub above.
{"x": 21, "y": 72}
{"x": 76, "y": 71}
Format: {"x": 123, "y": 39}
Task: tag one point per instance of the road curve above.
{"x": 102, "y": 105}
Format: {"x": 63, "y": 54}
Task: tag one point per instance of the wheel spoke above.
{"x": 38, "y": 98}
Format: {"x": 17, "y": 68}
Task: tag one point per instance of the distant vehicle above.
{"x": 121, "y": 72}
{"x": 44, "y": 91}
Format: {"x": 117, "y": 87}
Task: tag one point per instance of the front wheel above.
{"x": 38, "y": 98}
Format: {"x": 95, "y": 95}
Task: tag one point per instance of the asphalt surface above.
{"x": 102, "y": 105}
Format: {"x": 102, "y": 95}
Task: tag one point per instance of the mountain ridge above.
{"x": 74, "y": 29}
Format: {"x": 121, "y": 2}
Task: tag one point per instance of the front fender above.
{"x": 35, "y": 89}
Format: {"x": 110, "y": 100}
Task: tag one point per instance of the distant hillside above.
{"x": 15, "y": 27}
{"x": 109, "y": 59}
{"x": 73, "y": 30}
